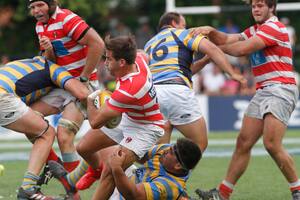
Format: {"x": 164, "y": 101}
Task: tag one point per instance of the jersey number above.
{"x": 162, "y": 48}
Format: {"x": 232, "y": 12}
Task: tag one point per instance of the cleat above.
{"x": 296, "y": 195}
{"x": 88, "y": 179}
{"x": 34, "y": 194}
{"x": 212, "y": 194}
{"x": 60, "y": 173}
{"x": 46, "y": 175}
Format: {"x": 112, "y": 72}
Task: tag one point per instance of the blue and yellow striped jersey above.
{"x": 158, "y": 183}
{"x": 33, "y": 78}
{"x": 171, "y": 54}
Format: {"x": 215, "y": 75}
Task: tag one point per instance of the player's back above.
{"x": 171, "y": 55}
{"x": 31, "y": 78}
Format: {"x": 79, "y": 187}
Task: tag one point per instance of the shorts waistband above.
{"x": 178, "y": 81}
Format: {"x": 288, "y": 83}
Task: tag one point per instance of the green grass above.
{"x": 262, "y": 180}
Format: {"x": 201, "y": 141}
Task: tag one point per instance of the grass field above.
{"x": 262, "y": 180}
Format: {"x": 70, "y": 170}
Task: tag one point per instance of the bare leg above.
{"x": 250, "y": 132}
{"x": 196, "y": 131}
{"x": 166, "y": 138}
{"x": 64, "y": 135}
{"x": 274, "y": 131}
{"x": 93, "y": 141}
{"x": 32, "y": 125}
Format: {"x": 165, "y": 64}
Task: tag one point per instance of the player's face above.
{"x": 169, "y": 159}
{"x": 260, "y": 11}
{"x": 111, "y": 64}
{"x": 40, "y": 10}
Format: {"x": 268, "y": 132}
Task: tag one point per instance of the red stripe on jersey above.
{"x": 277, "y": 66}
{"x": 277, "y": 52}
{"x": 283, "y": 80}
{"x": 136, "y": 96}
{"x": 64, "y": 29}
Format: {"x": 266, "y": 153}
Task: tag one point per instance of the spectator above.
{"x": 213, "y": 81}
{"x": 143, "y": 33}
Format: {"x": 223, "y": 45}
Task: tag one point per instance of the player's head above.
{"x": 171, "y": 19}
{"x": 263, "y": 9}
{"x": 189, "y": 153}
{"x": 42, "y": 10}
{"x": 182, "y": 156}
{"x": 120, "y": 52}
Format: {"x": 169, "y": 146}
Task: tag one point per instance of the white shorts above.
{"x": 278, "y": 99}
{"x": 59, "y": 97}
{"x": 136, "y": 137}
{"x": 178, "y": 104}
{"x": 12, "y": 108}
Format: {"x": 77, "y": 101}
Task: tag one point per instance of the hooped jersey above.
{"x": 171, "y": 54}
{"x": 273, "y": 64}
{"x": 135, "y": 95}
{"x": 65, "y": 29}
{"x": 30, "y": 79}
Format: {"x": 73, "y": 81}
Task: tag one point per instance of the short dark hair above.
{"x": 189, "y": 152}
{"x": 270, "y": 4}
{"x": 167, "y": 18}
{"x": 122, "y": 47}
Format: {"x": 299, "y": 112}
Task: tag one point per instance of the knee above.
{"x": 82, "y": 150}
{"x": 243, "y": 144}
{"x": 270, "y": 146}
{"x": 63, "y": 138}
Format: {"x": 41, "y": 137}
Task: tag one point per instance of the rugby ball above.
{"x": 100, "y": 100}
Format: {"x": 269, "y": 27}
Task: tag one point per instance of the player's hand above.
{"x": 117, "y": 158}
{"x": 241, "y": 79}
{"x": 45, "y": 43}
{"x": 203, "y": 30}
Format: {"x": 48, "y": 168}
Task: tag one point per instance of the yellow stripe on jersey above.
{"x": 196, "y": 42}
{"x": 24, "y": 66}
{"x": 148, "y": 191}
{"x": 9, "y": 82}
{"x": 38, "y": 66}
{"x": 14, "y": 72}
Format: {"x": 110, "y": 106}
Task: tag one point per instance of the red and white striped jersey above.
{"x": 273, "y": 64}
{"x": 135, "y": 95}
{"x": 65, "y": 29}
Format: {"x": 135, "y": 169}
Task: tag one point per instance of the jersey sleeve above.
{"x": 190, "y": 41}
{"x": 59, "y": 75}
{"x": 74, "y": 26}
{"x": 270, "y": 33}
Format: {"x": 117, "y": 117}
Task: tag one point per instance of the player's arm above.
{"x": 99, "y": 117}
{"x": 95, "y": 46}
{"x": 217, "y": 37}
{"x": 127, "y": 188}
{"x": 48, "y": 50}
{"x": 200, "y": 64}
{"x": 219, "y": 58}
{"x": 77, "y": 89}
{"x": 246, "y": 47}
